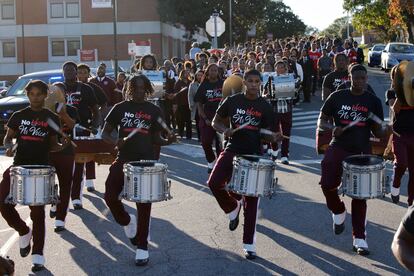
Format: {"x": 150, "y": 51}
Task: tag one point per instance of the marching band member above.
{"x": 403, "y": 243}
{"x": 83, "y": 98}
{"x": 402, "y": 139}
{"x": 208, "y": 97}
{"x": 283, "y": 110}
{"x": 35, "y": 136}
{"x": 239, "y": 109}
{"x": 64, "y": 162}
{"x": 102, "y": 101}
{"x": 343, "y": 107}
{"x": 126, "y": 116}
{"x": 337, "y": 77}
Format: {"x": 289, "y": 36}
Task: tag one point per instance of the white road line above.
{"x": 312, "y": 118}
{"x": 304, "y": 127}
{"x": 9, "y": 243}
{"x": 307, "y": 142}
{"x": 306, "y": 113}
{"x": 313, "y": 122}
{"x": 297, "y": 109}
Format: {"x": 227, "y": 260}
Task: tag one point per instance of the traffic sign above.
{"x": 221, "y": 26}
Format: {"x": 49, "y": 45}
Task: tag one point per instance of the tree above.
{"x": 265, "y": 14}
{"x": 371, "y": 14}
{"x": 401, "y": 13}
{"x": 279, "y": 20}
{"x": 338, "y": 28}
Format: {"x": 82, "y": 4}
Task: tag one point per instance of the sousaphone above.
{"x": 232, "y": 85}
{"x": 404, "y": 83}
{"x": 55, "y": 97}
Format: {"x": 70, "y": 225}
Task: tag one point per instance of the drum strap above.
{"x": 282, "y": 106}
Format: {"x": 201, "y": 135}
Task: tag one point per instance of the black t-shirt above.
{"x": 33, "y": 135}
{"x": 241, "y": 110}
{"x": 83, "y": 98}
{"x": 334, "y": 79}
{"x": 73, "y": 113}
{"x": 408, "y": 220}
{"x": 403, "y": 121}
{"x": 100, "y": 95}
{"x": 128, "y": 115}
{"x": 345, "y": 108}
{"x": 209, "y": 94}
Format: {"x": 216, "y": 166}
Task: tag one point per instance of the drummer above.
{"x": 136, "y": 112}
{"x": 239, "y": 109}
{"x": 34, "y": 139}
{"x": 343, "y": 107}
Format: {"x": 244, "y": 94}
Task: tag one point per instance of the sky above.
{"x": 317, "y": 13}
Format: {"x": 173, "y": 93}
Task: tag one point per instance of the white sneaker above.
{"x": 395, "y": 191}
{"x": 340, "y": 218}
{"x": 59, "y": 223}
{"x": 284, "y": 160}
{"x": 131, "y": 228}
{"x": 24, "y": 241}
{"x": 210, "y": 166}
{"x": 141, "y": 257}
{"x": 360, "y": 246}
{"x": 38, "y": 259}
{"x": 89, "y": 183}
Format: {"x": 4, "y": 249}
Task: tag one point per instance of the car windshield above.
{"x": 378, "y": 48}
{"x": 17, "y": 88}
{"x": 402, "y": 48}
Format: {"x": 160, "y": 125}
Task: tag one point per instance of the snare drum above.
{"x": 364, "y": 177}
{"x": 32, "y": 185}
{"x": 146, "y": 181}
{"x": 253, "y": 176}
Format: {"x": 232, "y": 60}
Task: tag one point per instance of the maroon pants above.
{"x": 403, "y": 148}
{"x": 219, "y": 177}
{"x": 208, "y": 134}
{"x": 90, "y": 170}
{"x": 63, "y": 164}
{"x": 284, "y": 123}
{"x": 78, "y": 177}
{"x": 12, "y": 217}
{"x": 331, "y": 178}
{"x": 113, "y": 188}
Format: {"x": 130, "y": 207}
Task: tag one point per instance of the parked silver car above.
{"x": 394, "y": 53}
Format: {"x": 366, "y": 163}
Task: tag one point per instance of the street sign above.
{"x": 131, "y": 48}
{"x": 221, "y": 26}
{"x": 142, "y": 48}
{"x": 101, "y": 3}
{"x": 87, "y": 55}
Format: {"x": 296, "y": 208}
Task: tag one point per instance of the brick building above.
{"x": 42, "y": 34}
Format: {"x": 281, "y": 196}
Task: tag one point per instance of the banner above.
{"x": 142, "y": 48}
{"x": 101, "y": 3}
{"x": 87, "y": 55}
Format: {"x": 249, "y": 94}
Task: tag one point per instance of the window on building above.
{"x": 72, "y": 9}
{"x": 56, "y": 10}
{"x": 9, "y": 49}
{"x": 73, "y": 46}
{"x": 61, "y": 9}
{"x": 58, "y": 48}
{"x": 7, "y": 10}
{"x": 65, "y": 47}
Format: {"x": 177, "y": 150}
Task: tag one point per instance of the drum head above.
{"x": 253, "y": 158}
{"x": 35, "y": 167}
{"x": 363, "y": 160}
{"x": 144, "y": 163}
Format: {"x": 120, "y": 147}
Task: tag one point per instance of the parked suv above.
{"x": 16, "y": 98}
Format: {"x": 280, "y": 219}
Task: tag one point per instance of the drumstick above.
{"x": 164, "y": 125}
{"x": 269, "y": 132}
{"x": 241, "y": 127}
{"x": 353, "y": 123}
{"x": 59, "y": 107}
{"x": 132, "y": 133}
{"x": 54, "y": 126}
{"x": 14, "y": 148}
{"x": 83, "y": 128}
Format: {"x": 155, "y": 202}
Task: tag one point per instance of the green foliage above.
{"x": 338, "y": 28}
{"x": 269, "y": 16}
{"x": 371, "y": 15}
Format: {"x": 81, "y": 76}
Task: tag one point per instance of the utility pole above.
{"x": 115, "y": 20}
{"x": 23, "y": 48}
{"x": 230, "y": 23}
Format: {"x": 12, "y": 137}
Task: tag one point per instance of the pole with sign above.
{"x": 215, "y": 27}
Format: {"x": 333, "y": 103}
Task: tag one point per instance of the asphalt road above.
{"x": 190, "y": 236}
